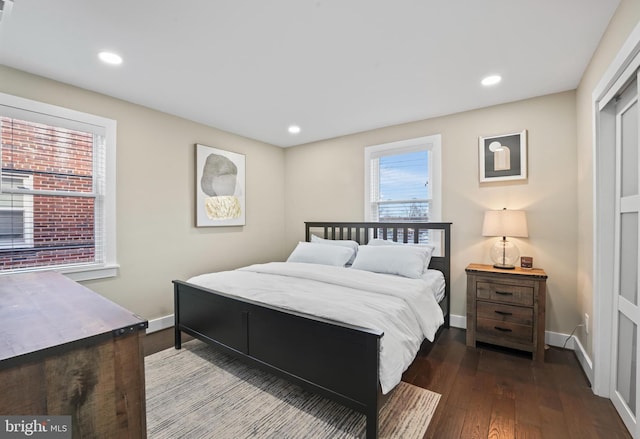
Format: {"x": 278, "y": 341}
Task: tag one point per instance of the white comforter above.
{"x": 404, "y": 309}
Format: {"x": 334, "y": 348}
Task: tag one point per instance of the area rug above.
{"x": 199, "y": 392}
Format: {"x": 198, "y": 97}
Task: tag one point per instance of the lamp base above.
{"x": 504, "y": 267}
{"x": 504, "y": 254}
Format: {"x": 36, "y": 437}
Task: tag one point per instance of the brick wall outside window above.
{"x": 57, "y": 159}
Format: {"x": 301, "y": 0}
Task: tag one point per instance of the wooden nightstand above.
{"x": 506, "y": 307}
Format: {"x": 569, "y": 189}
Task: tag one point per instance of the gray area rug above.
{"x": 198, "y": 392}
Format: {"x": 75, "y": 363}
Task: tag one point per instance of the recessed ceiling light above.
{"x": 293, "y": 129}
{"x": 491, "y": 80}
{"x": 110, "y": 58}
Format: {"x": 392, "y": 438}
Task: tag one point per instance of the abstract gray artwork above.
{"x": 220, "y": 187}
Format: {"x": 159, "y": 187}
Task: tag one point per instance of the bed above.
{"x": 338, "y": 360}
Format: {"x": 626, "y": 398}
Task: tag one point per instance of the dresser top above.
{"x": 518, "y": 271}
{"x": 46, "y": 310}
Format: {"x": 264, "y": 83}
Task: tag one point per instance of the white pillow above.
{"x": 428, "y": 249}
{"x": 313, "y": 253}
{"x": 407, "y": 261}
{"x": 341, "y": 242}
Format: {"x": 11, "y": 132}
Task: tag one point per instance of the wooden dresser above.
{"x": 506, "y": 307}
{"x": 65, "y": 350}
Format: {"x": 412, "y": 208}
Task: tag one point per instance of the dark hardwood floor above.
{"x": 488, "y": 392}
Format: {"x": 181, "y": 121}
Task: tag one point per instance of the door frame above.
{"x": 625, "y": 64}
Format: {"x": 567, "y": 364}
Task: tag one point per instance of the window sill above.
{"x": 77, "y": 273}
{"x": 90, "y": 272}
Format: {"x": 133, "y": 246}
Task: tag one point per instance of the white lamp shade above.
{"x": 505, "y": 223}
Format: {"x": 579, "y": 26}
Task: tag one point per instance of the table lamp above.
{"x": 505, "y": 223}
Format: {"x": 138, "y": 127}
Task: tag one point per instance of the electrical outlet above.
{"x": 586, "y": 323}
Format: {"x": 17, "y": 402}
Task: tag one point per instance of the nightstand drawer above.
{"x": 517, "y": 294}
{"x": 504, "y": 330}
{"x": 505, "y": 313}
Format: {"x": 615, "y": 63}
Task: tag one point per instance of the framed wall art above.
{"x": 220, "y": 187}
{"x": 503, "y": 157}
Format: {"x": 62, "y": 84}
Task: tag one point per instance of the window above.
{"x": 57, "y": 190}
{"x": 402, "y": 181}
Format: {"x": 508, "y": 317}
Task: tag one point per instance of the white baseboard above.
{"x": 160, "y": 323}
{"x": 559, "y": 340}
{"x": 458, "y": 321}
{"x": 581, "y": 354}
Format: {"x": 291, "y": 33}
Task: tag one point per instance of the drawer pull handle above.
{"x": 504, "y": 293}
{"x": 502, "y": 329}
{"x": 503, "y": 313}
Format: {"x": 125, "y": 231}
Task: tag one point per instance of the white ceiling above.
{"x": 334, "y": 67}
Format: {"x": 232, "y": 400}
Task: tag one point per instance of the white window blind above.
{"x": 402, "y": 181}
{"x": 54, "y": 206}
{"x": 401, "y": 189}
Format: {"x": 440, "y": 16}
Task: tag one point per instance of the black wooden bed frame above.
{"x": 333, "y": 359}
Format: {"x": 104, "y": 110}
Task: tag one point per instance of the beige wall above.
{"x": 625, "y": 19}
{"x": 156, "y": 237}
{"x": 324, "y": 181}
{"x": 157, "y": 240}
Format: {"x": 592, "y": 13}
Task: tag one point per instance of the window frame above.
{"x": 433, "y": 145}
{"x": 27, "y": 208}
{"x": 30, "y": 110}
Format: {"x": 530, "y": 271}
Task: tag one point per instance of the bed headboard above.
{"x": 404, "y": 232}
